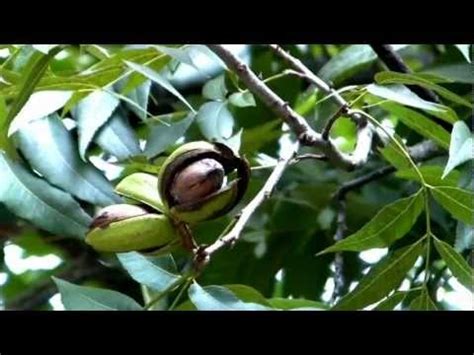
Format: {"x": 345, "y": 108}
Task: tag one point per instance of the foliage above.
{"x": 84, "y": 127}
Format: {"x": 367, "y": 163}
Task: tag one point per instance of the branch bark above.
{"x": 306, "y": 135}
{"x": 203, "y": 254}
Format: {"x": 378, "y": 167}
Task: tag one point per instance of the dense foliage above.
{"x": 75, "y": 121}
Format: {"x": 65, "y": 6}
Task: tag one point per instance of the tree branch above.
{"x": 203, "y": 254}
{"x": 419, "y": 152}
{"x": 394, "y": 62}
{"x": 338, "y": 258}
{"x": 306, "y": 135}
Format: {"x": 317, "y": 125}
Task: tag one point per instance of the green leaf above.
{"x": 215, "y": 120}
{"x": 158, "y": 273}
{"x": 91, "y": 114}
{"x": 44, "y": 48}
{"x": 247, "y": 294}
{"x": 389, "y": 77}
{"x": 218, "y": 298}
{"x": 392, "y": 301}
{"x": 423, "y": 302}
{"x": 431, "y": 174}
{"x": 458, "y": 202}
{"x": 389, "y": 225}
{"x": 461, "y": 148}
{"x": 404, "y": 96}
{"x": 215, "y": 89}
{"x": 39, "y": 105}
{"x": 349, "y": 61}
{"x": 5, "y": 143}
{"x": 143, "y": 188}
{"x": 118, "y": 138}
{"x": 81, "y": 298}
{"x": 32, "y": 73}
{"x": 38, "y": 202}
{"x": 419, "y": 123}
{"x": 394, "y": 155}
{"x": 242, "y": 99}
{"x": 465, "y": 51}
{"x": 464, "y": 237}
{"x": 158, "y": 79}
{"x": 140, "y": 96}
{"x": 165, "y": 133}
{"x": 456, "y": 263}
{"x": 296, "y": 304}
{"x": 384, "y": 277}
{"x": 461, "y": 73}
{"x": 53, "y": 153}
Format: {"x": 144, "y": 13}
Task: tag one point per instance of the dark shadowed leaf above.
{"x": 392, "y": 301}
{"x": 423, "y": 302}
{"x": 296, "y": 303}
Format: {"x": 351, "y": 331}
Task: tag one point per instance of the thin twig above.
{"x": 308, "y": 156}
{"x": 296, "y": 64}
{"x": 419, "y": 152}
{"x": 341, "y": 228}
{"x": 344, "y": 107}
{"x": 306, "y": 135}
{"x": 203, "y": 254}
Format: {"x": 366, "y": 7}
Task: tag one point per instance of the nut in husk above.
{"x": 192, "y": 181}
{"x": 123, "y": 228}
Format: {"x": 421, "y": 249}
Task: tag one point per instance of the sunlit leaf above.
{"x": 404, "y": 96}
{"x": 158, "y": 273}
{"x": 53, "y": 153}
{"x": 91, "y": 114}
{"x": 45, "y": 206}
{"x": 82, "y": 298}
{"x": 461, "y": 148}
